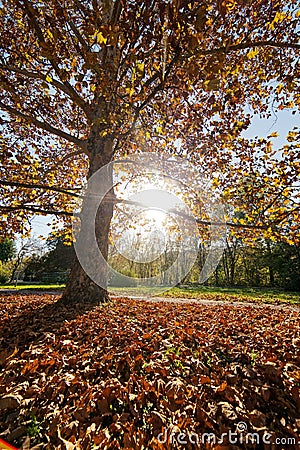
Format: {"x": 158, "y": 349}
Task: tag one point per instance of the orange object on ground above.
{"x": 4, "y": 445}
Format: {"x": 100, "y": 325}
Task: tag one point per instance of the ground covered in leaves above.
{"x": 118, "y": 375}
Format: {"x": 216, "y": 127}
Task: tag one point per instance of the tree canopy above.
{"x": 83, "y": 82}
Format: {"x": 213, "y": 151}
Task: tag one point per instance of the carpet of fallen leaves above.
{"x": 117, "y": 375}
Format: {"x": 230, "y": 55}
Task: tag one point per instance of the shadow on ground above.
{"x": 25, "y": 323}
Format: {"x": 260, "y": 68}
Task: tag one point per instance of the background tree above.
{"x": 7, "y": 252}
{"x": 82, "y": 82}
{"x": 30, "y": 248}
{"x": 7, "y": 249}
{"x": 54, "y": 264}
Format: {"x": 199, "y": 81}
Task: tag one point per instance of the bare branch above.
{"x": 116, "y": 12}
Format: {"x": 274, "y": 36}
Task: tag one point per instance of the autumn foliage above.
{"x": 118, "y": 375}
{"x": 82, "y": 83}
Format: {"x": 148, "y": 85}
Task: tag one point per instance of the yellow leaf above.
{"x": 140, "y": 67}
{"x": 49, "y": 79}
{"x": 279, "y": 17}
{"x": 291, "y": 136}
{"x": 274, "y": 134}
{"x": 252, "y": 53}
{"x": 239, "y": 124}
{"x": 279, "y": 88}
{"x": 130, "y": 91}
{"x": 100, "y": 38}
{"x": 50, "y": 35}
{"x": 289, "y": 241}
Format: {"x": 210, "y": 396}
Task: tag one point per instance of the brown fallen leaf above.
{"x": 10, "y": 401}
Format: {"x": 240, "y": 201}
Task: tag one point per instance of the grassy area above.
{"x": 267, "y": 295}
{"x": 244, "y": 294}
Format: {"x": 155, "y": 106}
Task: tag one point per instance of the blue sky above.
{"x": 283, "y": 122}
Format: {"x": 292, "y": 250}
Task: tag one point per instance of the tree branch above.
{"x": 156, "y": 89}
{"x": 199, "y": 221}
{"x": 40, "y": 186}
{"x": 46, "y": 126}
{"x": 285, "y": 215}
{"x": 32, "y": 15}
{"x": 61, "y": 86}
{"x": 115, "y": 200}
{"x": 246, "y": 45}
{"x": 36, "y": 210}
{"x": 78, "y": 36}
{"x": 63, "y": 159}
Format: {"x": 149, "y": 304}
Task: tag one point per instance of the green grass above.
{"x": 266, "y": 295}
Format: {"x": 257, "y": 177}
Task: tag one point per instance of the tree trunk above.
{"x": 271, "y": 276}
{"x": 80, "y": 287}
{"x": 270, "y": 267}
{"x": 217, "y": 275}
{"x": 232, "y": 272}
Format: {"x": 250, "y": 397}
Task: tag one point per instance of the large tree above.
{"x": 84, "y": 81}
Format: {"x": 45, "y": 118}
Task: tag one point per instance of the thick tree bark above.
{"x": 80, "y": 287}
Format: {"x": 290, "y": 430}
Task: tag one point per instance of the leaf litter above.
{"x": 118, "y": 375}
